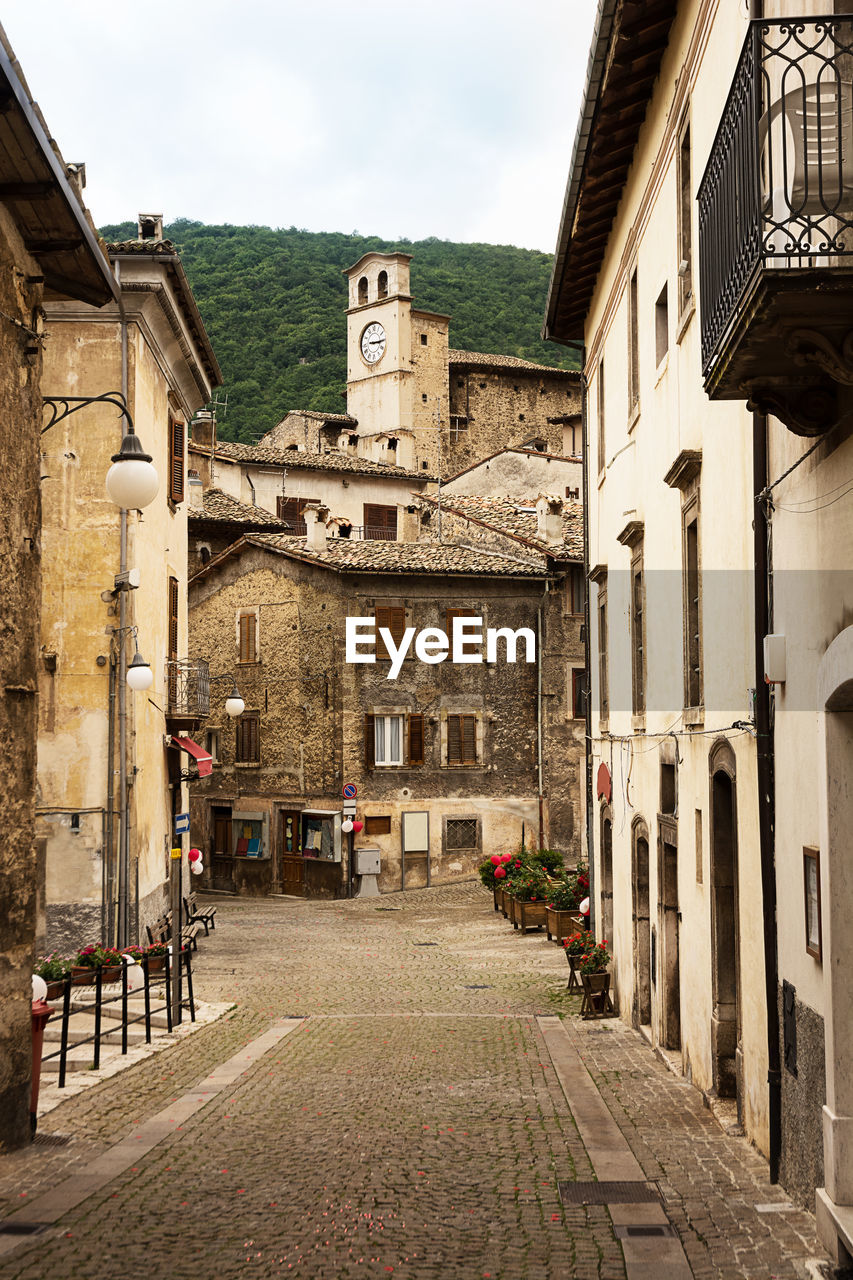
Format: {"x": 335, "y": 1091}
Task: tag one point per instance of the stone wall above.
{"x": 505, "y": 408}
{"x": 803, "y": 1097}
{"x": 20, "y": 587}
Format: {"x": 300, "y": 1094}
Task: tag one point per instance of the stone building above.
{"x": 413, "y": 401}
{"x": 48, "y": 249}
{"x": 449, "y": 760}
{"x": 109, "y": 785}
{"x": 720, "y": 526}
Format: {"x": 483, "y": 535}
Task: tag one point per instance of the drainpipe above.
{"x": 124, "y": 805}
{"x": 766, "y": 791}
{"x": 766, "y": 768}
{"x": 109, "y": 835}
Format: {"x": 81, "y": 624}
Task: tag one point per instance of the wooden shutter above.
{"x": 470, "y": 647}
{"x": 394, "y": 620}
{"x": 248, "y": 638}
{"x": 461, "y": 739}
{"x": 416, "y": 739}
{"x": 291, "y": 510}
{"x": 380, "y": 521}
{"x": 248, "y": 739}
{"x": 370, "y": 742}
{"x": 173, "y": 619}
{"x": 177, "y": 436}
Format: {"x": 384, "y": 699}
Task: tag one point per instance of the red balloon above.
{"x": 495, "y": 860}
{"x": 500, "y": 873}
{"x": 194, "y": 855}
{"x": 357, "y": 825}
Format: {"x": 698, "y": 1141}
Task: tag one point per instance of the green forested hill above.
{"x": 272, "y": 298}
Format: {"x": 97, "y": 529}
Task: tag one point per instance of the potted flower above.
{"x": 595, "y": 977}
{"x": 86, "y": 963}
{"x": 529, "y": 890}
{"x": 576, "y": 945}
{"x": 156, "y": 954}
{"x": 562, "y": 917}
{"x": 54, "y": 969}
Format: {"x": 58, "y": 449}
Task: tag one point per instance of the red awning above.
{"x": 204, "y": 758}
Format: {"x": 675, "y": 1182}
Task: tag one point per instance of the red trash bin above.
{"x": 41, "y": 1013}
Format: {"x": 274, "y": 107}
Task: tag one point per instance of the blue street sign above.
{"x": 182, "y": 824}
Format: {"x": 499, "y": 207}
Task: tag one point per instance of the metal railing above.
{"x": 188, "y": 685}
{"x": 777, "y": 192}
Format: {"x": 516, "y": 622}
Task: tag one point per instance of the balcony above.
{"x": 188, "y": 692}
{"x": 776, "y": 227}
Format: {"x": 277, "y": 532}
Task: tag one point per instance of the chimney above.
{"x": 549, "y": 520}
{"x": 409, "y": 524}
{"x": 315, "y": 516}
{"x": 196, "y": 489}
{"x": 150, "y": 226}
{"x": 203, "y": 428}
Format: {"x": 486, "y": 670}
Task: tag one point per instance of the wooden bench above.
{"x": 161, "y": 931}
{"x": 199, "y": 915}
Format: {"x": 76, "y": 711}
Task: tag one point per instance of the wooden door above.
{"x": 292, "y": 878}
{"x": 222, "y": 868}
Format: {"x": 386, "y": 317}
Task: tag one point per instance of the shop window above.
{"x": 248, "y": 836}
{"x": 377, "y": 826}
{"x": 248, "y": 747}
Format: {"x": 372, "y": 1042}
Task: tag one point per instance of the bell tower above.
{"x": 379, "y": 343}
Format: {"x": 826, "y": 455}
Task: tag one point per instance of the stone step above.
{"x": 53, "y": 1035}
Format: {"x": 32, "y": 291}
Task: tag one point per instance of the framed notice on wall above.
{"x": 414, "y": 832}
{"x": 811, "y": 887}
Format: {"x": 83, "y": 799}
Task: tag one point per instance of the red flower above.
{"x": 495, "y": 860}
{"x": 500, "y": 874}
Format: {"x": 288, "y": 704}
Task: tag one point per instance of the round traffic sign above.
{"x": 350, "y": 791}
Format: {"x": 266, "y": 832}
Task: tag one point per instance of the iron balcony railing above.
{"x": 188, "y": 685}
{"x": 777, "y": 192}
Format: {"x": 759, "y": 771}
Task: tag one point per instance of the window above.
{"x": 423, "y": 339}
{"x": 811, "y": 885}
{"x": 462, "y": 834}
{"x": 377, "y": 826}
{"x": 699, "y": 845}
{"x": 290, "y": 510}
{"x": 578, "y": 693}
{"x": 393, "y": 739}
{"x": 462, "y": 739}
{"x": 362, "y": 291}
{"x": 248, "y": 747}
{"x": 633, "y": 345}
{"x": 668, "y": 788}
{"x": 573, "y": 438}
{"x": 685, "y": 239}
{"x": 423, "y": 397}
{"x": 573, "y": 493}
{"x": 177, "y": 436}
{"x": 662, "y": 325}
{"x": 600, "y": 397}
{"x": 211, "y": 744}
{"x": 382, "y": 284}
{"x": 575, "y": 590}
{"x": 247, "y": 637}
{"x": 172, "y": 641}
{"x": 692, "y": 608}
{"x": 393, "y": 619}
{"x": 449, "y": 615}
{"x": 380, "y": 522}
{"x": 638, "y": 665}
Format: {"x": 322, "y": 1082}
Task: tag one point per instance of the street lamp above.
{"x": 234, "y": 704}
{"x": 139, "y": 674}
{"x": 132, "y": 481}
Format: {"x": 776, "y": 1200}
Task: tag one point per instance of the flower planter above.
{"x": 506, "y": 904}
{"x": 560, "y": 924}
{"x": 496, "y": 893}
{"x": 156, "y": 964}
{"x": 82, "y": 975}
{"x": 596, "y": 1001}
{"x": 55, "y": 988}
{"x": 530, "y": 915}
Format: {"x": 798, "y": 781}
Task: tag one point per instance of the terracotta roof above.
{"x": 481, "y": 359}
{"x": 347, "y": 556}
{"x": 157, "y": 248}
{"x": 301, "y": 460}
{"x": 221, "y": 508}
{"x": 320, "y": 417}
{"x": 517, "y": 520}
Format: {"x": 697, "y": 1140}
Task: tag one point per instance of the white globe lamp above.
{"x": 132, "y": 481}
{"x": 139, "y": 674}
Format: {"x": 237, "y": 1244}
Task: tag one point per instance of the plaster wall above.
{"x": 641, "y": 442}
{"x": 520, "y": 476}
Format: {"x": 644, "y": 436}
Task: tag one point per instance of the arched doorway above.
{"x": 607, "y": 873}
{"x": 726, "y": 1051}
{"x": 835, "y": 705}
{"x": 668, "y": 932}
{"x": 642, "y": 1008}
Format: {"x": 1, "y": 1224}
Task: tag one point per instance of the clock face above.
{"x": 373, "y": 343}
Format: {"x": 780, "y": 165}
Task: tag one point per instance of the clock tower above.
{"x": 397, "y": 374}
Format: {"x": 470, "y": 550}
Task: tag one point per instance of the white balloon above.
{"x": 346, "y": 825}
{"x": 39, "y": 988}
{"x": 135, "y": 977}
{"x": 197, "y": 867}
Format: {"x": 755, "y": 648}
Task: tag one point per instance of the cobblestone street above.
{"x": 412, "y": 1122}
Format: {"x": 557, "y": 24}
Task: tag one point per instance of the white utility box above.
{"x": 367, "y": 865}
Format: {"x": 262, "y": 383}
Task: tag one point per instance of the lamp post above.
{"x": 132, "y": 483}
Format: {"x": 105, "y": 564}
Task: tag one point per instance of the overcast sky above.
{"x": 448, "y": 118}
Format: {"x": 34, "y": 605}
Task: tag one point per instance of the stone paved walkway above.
{"x": 411, "y": 1125}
